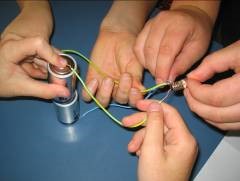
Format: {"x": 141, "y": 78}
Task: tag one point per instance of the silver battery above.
{"x": 67, "y": 108}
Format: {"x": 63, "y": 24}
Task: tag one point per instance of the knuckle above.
{"x": 165, "y": 49}
{"x": 191, "y": 144}
{"x": 150, "y": 51}
{"x": 38, "y": 41}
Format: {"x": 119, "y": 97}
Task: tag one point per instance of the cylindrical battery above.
{"x": 69, "y": 112}
{"x": 67, "y": 108}
{"x": 64, "y": 76}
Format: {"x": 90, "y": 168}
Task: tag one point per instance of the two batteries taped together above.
{"x": 67, "y": 108}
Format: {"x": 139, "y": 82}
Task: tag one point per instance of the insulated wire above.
{"x": 98, "y": 70}
{"x": 150, "y": 90}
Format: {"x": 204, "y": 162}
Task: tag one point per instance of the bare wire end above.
{"x": 179, "y": 85}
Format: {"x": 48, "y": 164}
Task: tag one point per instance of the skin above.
{"x": 218, "y": 103}
{"x": 113, "y": 53}
{"x": 161, "y": 47}
{"x": 166, "y": 43}
{"x": 26, "y": 51}
{"x": 160, "y": 143}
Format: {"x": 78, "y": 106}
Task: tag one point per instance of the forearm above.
{"x": 128, "y": 15}
{"x": 210, "y": 8}
{"x": 35, "y": 19}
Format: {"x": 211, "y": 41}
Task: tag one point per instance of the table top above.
{"x": 35, "y": 146}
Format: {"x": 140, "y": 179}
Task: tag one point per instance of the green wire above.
{"x": 89, "y": 62}
{"x": 102, "y": 73}
{"x": 161, "y": 85}
{"x": 96, "y": 101}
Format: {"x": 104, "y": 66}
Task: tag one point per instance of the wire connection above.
{"x": 150, "y": 90}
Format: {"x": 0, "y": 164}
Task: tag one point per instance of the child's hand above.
{"x": 219, "y": 103}
{"x": 113, "y": 54}
{"x": 166, "y": 148}
{"x": 18, "y": 71}
{"x": 173, "y": 41}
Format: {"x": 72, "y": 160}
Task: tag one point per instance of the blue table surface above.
{"x": 35, "y": 146}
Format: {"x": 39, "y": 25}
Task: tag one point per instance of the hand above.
{"x": 17, "y": 75}
{"x": 219, "y": 103}
{"x": 173, "y": 41}
{"x": 114, "y": 56}
{"x": 161, "y": 143}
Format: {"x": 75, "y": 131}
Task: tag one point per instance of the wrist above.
{"x": 120, "y": 24}
{"x": 127, "y": 16}
{"x": 39, "y": 18}
{"x": 198, "y": 12}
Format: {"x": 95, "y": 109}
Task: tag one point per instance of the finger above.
{"x": 93, "y": 82}
{"x": 134, "y": 96}
{"x": 123, "y": 89}
{"x": 144, "y": 104}
{"x": 32, "y": 47}
{"x": 151, "y": 47}
{"x": 174, "y": 121}
{"x": 135, "y": 144}
{"x": 221, "y": 94}
{"x": 40, "y": 62}
{"x": 40, "y": 89}
{"x": 134, "y": 119}
{"x": 186, "y": 59}
{"x": 225, "y": 126}
{"x": 136, "y": 73}
{"x": 92, "y": 86}
{"x": 33, "y": 72}
{"x": 217, "y": 62}
{"x": 154, "y": 129}
{"x": 104, "y": 93}
{"x": 58, "y": 51}
{"x": 171, "y": 116}
{"x": 140, "y": 42}
{"x": 212, "y": 113}
{"x": 171, "y": 44}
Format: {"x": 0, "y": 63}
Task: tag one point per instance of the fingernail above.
{"x": 62, "y": 61}
{"x": 131, "y": 145}
{"x": 64, "y": 94}
{"x": 159, "y": 80}
{"x": 134, "y": 91}
{"x": 44, "y": 70}
{"x": 154, "y": 107}
{"x": 92, "y": 84}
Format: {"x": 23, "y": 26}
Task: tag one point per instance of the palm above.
{"x": 112, "y": 54}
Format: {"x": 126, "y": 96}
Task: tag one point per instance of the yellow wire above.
{"x": 91, "y": 63}
{"x": 99, "y": 71}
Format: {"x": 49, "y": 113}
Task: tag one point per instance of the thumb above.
{"x": 33, "y": 46}
{"x": 40, "y": 89}
{"x": 155, "y": 127}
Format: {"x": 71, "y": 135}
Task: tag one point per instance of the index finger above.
{"x": 219, "y": 61}
{"x": 34, "y": 46}
{"x": 172, "y": 118}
